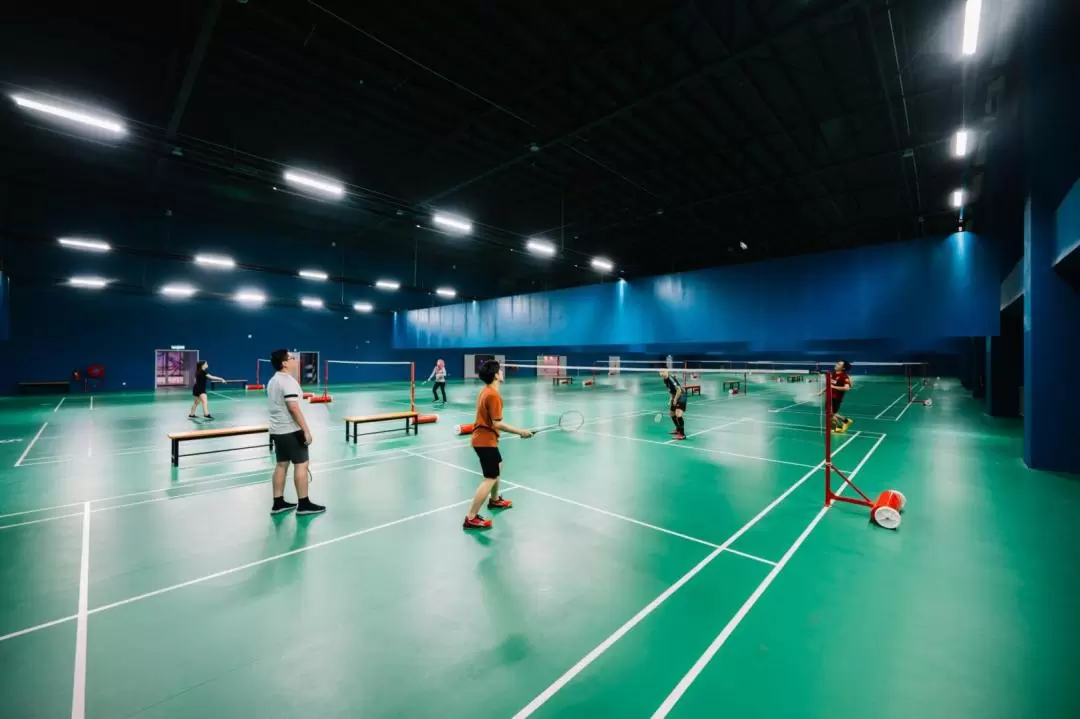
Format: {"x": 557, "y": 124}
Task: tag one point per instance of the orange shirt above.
{"x": 488, "y": 412}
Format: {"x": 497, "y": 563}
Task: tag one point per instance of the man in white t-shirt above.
{"x": 291, "y": 436}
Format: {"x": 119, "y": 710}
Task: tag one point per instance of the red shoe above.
{"x": 477, "y": 522}
{"x": 500, "y": 503}
{"x": 673, "y": 432}
{"x": 679, "y": 435}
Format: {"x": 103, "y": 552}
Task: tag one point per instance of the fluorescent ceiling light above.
{"x": 102, "y": 123}
{"x": 972, "y": 11}
{"x": 313, "y": 302}
{"x": 602, "y": 264}
{"x": 250, "y": 297}
{"x": 178, "y": 290}
{"x": 958, "y": 197}
{"x": 446, "y": 292}
{"x": 960, "y": 143}
{"x": 540, "y": 247}
{"x": 314, "y": 275}
{"x": 456, "y": 224}
{"x": 389, "y": 285}
{"x": 744, "y": 246}
{"x": 326, "y": 186}
{"x": 90, "y": 283}
{"x": 80, "y": 244}
{"x": 363, "y": 306}
{"x": 215, "y": 261}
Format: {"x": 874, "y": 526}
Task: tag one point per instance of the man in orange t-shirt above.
{"x": 485, "y": 442}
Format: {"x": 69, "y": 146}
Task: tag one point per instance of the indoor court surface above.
{"x": 633, "y": 577}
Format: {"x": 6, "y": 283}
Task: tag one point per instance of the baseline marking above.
{"x": 890, "y": 406}
{"x": 618, "y": 634}
{"x": 579, "y": 504}
{"x": 78, "y": 694}
{"x": 30, "y": 446}
{"x": 58, "y": 404}
{"x": 684, "y": 684}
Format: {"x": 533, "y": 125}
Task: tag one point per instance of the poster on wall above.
{"x": 473, "y": 363}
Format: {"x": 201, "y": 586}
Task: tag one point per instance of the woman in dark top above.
{"x": 199, "y": 390}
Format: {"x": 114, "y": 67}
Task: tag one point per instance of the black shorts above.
{"x": 681, "y": 404}
{"x": 837, "y": 401}
{"x": 291, "y": 447}
{"x": 490, "y": 459}
{"x": 198, "y": 391}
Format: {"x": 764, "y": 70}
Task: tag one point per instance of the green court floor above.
{"x": 634, "y": 576}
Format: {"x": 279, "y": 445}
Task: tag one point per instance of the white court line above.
{"x": 709, "y": 429}
{"x": 219, "y": 394}
{"x": 908, "y": 404}
{"x": 705, "y": 658}
{"x": 91, "y": 403}
{"x": 752, "y": 556}
{"x": 891, "y": 405}
{"x": 58, "y": 404}
{"x": 619, "y": 633}
{"x": 781, "y": 409}
{"x": 78, "y": 694}
{"x": 397, "y": 454}
{"x": 578, "y": 504}
{"x": 30, "y": 446}
{"x": 240, "y": 568}
{"x": 699, "y": 449}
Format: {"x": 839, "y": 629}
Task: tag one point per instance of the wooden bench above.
{"x": 177, "y": 437}
{"x": 353, "y": 423}
{"x": 52, "y": 385}
{"x": 796, "y": 378}
{"x": 693, "y": 389}
{"x": 562, "y": 379}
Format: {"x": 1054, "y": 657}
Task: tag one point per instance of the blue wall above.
{"x": 57, "y": 329}
{"x": 1067, "y": 224}
{"x": 915, "y": 291}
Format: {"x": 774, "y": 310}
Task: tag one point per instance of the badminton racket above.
{"x": 570, "y": 421}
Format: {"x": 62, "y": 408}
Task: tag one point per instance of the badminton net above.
{"x": 387, "y": 385}
{"x": 264, "y": 371}
{"x": 637, "y": 380}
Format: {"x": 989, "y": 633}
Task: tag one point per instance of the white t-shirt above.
{"x": 282, "y": 388}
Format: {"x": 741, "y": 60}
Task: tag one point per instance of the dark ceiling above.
{"x": 658, "y": 134}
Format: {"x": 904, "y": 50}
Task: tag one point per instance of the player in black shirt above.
{"x": 678, "y": 403}
{"x": 199, "y": 390}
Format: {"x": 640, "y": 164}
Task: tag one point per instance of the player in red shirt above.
{"x": 841, "y": 385}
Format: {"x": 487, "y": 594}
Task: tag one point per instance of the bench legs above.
{"x": 176, "y": 453}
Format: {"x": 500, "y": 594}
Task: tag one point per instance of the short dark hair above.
{"x": 488, "y": 370}
{"x": 845, "y": 364}
{"x": 277, "y": 358}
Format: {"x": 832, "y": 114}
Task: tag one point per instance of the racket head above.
{"x": 571, "y": 421}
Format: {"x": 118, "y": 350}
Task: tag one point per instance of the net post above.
{"x": 326, "y": 379}
{"x": 828, "y": 437}
{"x": 412, "y": 386}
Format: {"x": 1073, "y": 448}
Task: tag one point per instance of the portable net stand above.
{"x": 264, "y": 371}
{"x": 886, "y": 510}
{"x": 353, "y": 374}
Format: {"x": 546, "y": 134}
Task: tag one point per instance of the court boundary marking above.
{"x": 695, "y": 670}
{"x": 598, "y": 510}
{"x": 338, "y": 464}
{"x": 568, "y": 676}
{"x": 508, "y": 487}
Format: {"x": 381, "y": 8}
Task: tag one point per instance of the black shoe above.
{"x": 306, "y": 506}
{"x": 280, "y": 505}
{"x": 209, "y": 416}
